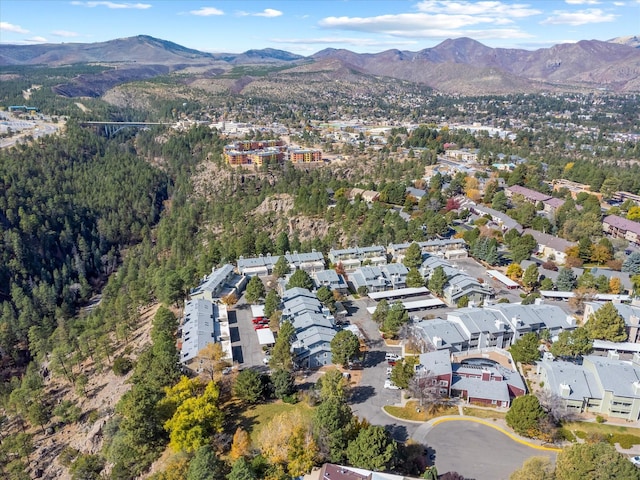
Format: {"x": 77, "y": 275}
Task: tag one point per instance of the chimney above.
{"x": 636, "y": 358}
{"x": 437, "y": 342}
{"x": 636, "y": 387}
{"x": 613, "y": 355}
{"x": 565, "y": 390}
{"x": 486, "y": 375}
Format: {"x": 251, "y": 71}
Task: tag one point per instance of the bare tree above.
{"x": 426, "y": 386}
{"x": 555, "y": 406}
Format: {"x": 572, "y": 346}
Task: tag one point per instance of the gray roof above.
{"x": 551, "y": 241}
{"x": 479, "y": 320}
{"x": 436, "y": 363}
{"x": 214, "y": 281}
{"x": 617, "y": 376}
{"x": 311, "y": 319}
{"x": 622, "y": 223}
{"x": 450, "y": 333}
{"x": 416, "y": 192}
{"x": 357, "y": 251}
{"x": 624, "y": 277}
{"x": 626, "y": 311}
{"x": 527, "y": 193}
{"x": 199, "y": 328}
{"x": 296, "y": 292}
{"x": 551, "y": 317}
{"x": 582, "y": 383}
{"x": 269, "y": 260}
{"x": 329, "y": 278}
{"x": 506, "y": 220}
{"x": 477, "y": 388}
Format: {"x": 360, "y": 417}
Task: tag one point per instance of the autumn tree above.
{"x": 230, "y": 299}
{"x": 606, "y": 324}
{"x": 213, "y": 359}
{"x": 241, "y": 445}
{"x": 535, "y": 468}
{"x": 514, "y": 271}
{"x": 195, "y": 420}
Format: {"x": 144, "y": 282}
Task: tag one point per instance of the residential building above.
{"x": 574, "y": 188}
{"x": 378, "y": 279}
{"x": 504, "y": 221}
{"x": 624, "y": 277}
{"x": 368, "y": 196}
{"x": 355, "y": 257}
{"x": 605, "y": 385}
{"x": 254, "y": 153}
{"x": 262, "y": 265}
{"x": 314, "y": 327}
{"x": 529, "y": 195}
{"x": 446, "y": 247}
{"x": 621, "y": 196}
{"x": 203, "y": 323}
{"x": 330, "y": 471}
{"x": 551, "y": 206}
{"x": 476, "y": 380}
{"x": 494, "y": 326}
{"x": 330, "y": 279}
{"x": 219, "y": 283}
{"x": 459, "y": 284}
{"x": 550, "y": 247}
{"x": 619, "y": 227}
{"x": 304, "y": 155}
{"x": 630, "y": 314}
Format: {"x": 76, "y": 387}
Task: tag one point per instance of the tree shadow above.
{"x": 361, "y": 394}
{"x": 373, "y": 358}
{"x": 398, "y": 432}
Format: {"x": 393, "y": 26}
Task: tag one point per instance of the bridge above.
{"x": 109, "y": 129}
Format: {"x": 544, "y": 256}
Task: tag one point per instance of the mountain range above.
{"x": 460, "y": 65}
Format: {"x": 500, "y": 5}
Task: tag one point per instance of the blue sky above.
{"x": 307, "y": 26}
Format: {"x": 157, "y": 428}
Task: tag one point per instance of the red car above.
{"x": 260, "y": 325}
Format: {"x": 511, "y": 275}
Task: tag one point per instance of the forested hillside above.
{"x": 68, "y": 205}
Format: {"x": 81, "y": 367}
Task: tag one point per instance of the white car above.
{"x": 392, "y": 356}
{"x": 390, "y": 385}
{"x": 635, "y": 460}
{"x": 389, "y": 370}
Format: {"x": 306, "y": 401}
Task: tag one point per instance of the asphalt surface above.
{"x": 247, "y": 352}
{"x": 475, "y": 451}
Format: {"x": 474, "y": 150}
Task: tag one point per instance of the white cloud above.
{"x": 368, "y": 42}
{"x": 37, "y": 39}
{"x": 64, "y": 33}
{"x": 442, "y": 19}
{"x": 9, "y": 27}
{"x": 515, "y": 10}
{"x": 207, "y": 12}
{"x": 267, "y": 12}
{"x": 113, "y": 5}
{"x": 580, "y": 17}
{"x": 582, "y": 2}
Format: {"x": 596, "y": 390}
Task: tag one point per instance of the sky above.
{"x": 308, "y": 26}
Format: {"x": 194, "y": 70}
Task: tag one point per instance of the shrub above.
{"x": 600, "y": 419}
{"x": 581, "y": 435}
{"x": 67, "y": 456}
{"x": 566, "y": 434}
{"x": 122, "y": 366}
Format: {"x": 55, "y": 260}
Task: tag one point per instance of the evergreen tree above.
{"x": 249, "y": 386}
{"x": 271, "y": 303}
{"x": 437, "y": 281}
{"x": 344, "y": 347}
{"x": 525, "y": 349}
{"x": 530, "y": 276}
{"x": 301, "y": 279}
{"x": 632, "y": 264}
{"x": 373, "y": 449}
{"x": 566, "y": 280}
{"x": 594, "y": 461}
{"x": 205, "y": 465}
{"x": 606, "y": 324}
{"x": 414, "y": 278}
{"x": 413, "y": 256}
{"x": 525, "y": 416}
{"x": 281, "y": 267}
{"x": 255, "y": 290}
{"x": 572, "y": 343}
{"x": 241, "y": 470}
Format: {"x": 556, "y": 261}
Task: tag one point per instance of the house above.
{"x": 219, "y": 283}
{"x": 504, "y": 221}
{"x": 459, "y": 284}
{"x": 605, "y": 385}
{"x": 203, "y": 323}
{"x": 262, "y": 265}
{"x": 330, "y": 279}
{"x": 630, "y": 314}
{"x": 551, "y": 206}
{"x": 625, "y": 277}
{"x": 378, "y": 279}
{"x": 355, "y": 257}
{"x": 476, "y": 380}
{"x": 314, "y": 327}
{"x": 446, "y": 247}
{"x": 619, "y": 227}
{"x": 529, "y": 195}
{"x": 574, "y": 188}
{"x": 494, "y": 326}
{"x": 368, "y": 196}
{"x": 550, "y": 247}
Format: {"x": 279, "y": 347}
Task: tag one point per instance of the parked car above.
{"x": 259, "y": 326}
{"x": 392, "y": 356}
{"x": 390, "y": 385}
{"x": 635, "y": 460}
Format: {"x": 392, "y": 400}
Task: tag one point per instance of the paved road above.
{"x": 475, "y": 450}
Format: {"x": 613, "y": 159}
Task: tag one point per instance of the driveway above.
{"x": 247, "y": 352}
{"x": 475, "y": 450}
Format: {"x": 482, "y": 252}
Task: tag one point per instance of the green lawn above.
{"x": 625, "y": 436}
{"x": 253, "y": 419}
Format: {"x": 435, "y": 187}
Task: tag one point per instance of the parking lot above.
{"x": 247, "y": 351}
